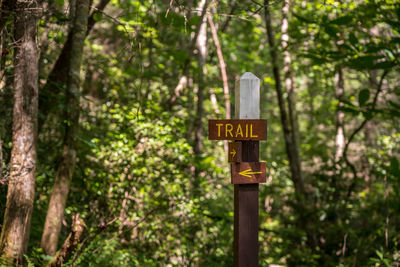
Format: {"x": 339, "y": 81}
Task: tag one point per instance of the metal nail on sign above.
{"x": 237, "y": 129}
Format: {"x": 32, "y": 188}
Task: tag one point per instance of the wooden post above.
{"x": 247, "y": 106}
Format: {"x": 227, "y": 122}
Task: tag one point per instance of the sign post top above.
{"x": 249, "y": 76}
{"x": 247, "y": 97}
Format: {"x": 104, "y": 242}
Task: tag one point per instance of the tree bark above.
{"x": 70, "y": 243}
{"x": 1, "y": 47}
{"x": 224, "y": 76}
{"x": 222, "y": 67}
{"x": 21, "y": 188}
{"x": 339, "y": 93}
{"x": 1, "y": 160}
{"x": 289, "y": 81}
{"x": 214, "y": 101}
{"x": 201, "y": 44}
{"x": 291, "y": 150}
{"x": 61, "y": 186}
{"x": 1, "y": 75}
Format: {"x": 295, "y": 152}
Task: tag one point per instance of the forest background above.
{"x": 104, "y": 157}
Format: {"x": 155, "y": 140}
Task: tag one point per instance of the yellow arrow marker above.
{"x": 248, "y": 173}
{"x": 233, "y": 152}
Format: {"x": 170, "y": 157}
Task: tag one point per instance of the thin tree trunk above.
{"x": 1, "y": 54}
{"x": 61, "y": 186}
{"x": 311, "y": 95}
{"x": 339, "y": 93}
{"x": 1, "y": 160}
{"x": 224, "y": 76}
{"x": 291, "y": 151}
{"x": 214, "y": 101}
{"x": 201, "y": 45}
{"x": 340, "y": 141}
{"x": 1, "y": 48}
{"x": 289, "y": 81}
{"x": 222, "y": 67}
{"x": 369, "y": 133}
{"x": 58, "y": 75}
{"x": 21, "y": 188}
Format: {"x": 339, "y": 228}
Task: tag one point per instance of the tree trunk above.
{"x": 1, "y": 160}
{"x": 21, "y": 188}
{"x": 222, "y": 67}
{"x": 369, "y": 133}
{"x": 61, "y": 186}
{"x": 1, "y": 46}
{"x": 289, "y": 81}
{"x": 224, "y": 76}
{"x": 291, "y": 150}
{"x": 339, "y": 93}
{"x": 201, "y": 44}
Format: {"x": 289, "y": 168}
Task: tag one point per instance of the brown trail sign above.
{"x": 237, "y": 129}
{"x": 246, "y": 170}
{"x": 235, "y": 152}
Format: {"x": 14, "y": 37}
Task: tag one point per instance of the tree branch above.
{"x": 96, "y": 10}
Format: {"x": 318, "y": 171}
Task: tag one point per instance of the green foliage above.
{"x": 363, "y": 97}
{"x": 134, "y": 180}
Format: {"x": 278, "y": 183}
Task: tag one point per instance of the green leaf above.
{"x": 363, "y": 62}
{"x": 97, "y": 16}
{"x": 363, "y": 97}
{"x": 347, "y": 102}
{"x": 349, "y": 110}
{"x": 315, "y": 58}
{"x": 368, "y": 115}
{"x": 30, "y": 264}
{"x": 303, "y": 19}
{"x": 342, "y": 20}
{"x": 384, "y": 65}
{"x": 331, "y": 31}
{"x": 353, "y": 39}
{"x": 393, "y": 104}
{"x": 380, "y": 255}
{"x": 60, "y": 2}
{"x": 394, "y": 166}
{"x": 194, "y": 20}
